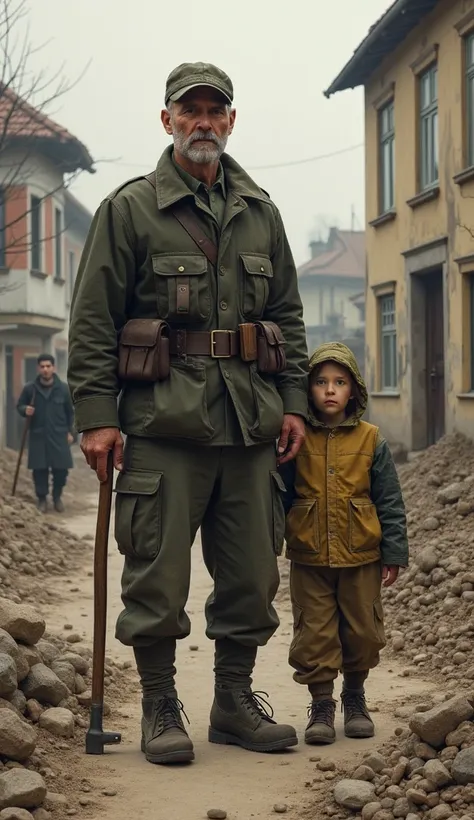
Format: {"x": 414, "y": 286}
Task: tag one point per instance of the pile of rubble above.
{"x": 32, "y": 545}
{"x": 430, "y": 611}
{"x": 44, "y": 696}
{"x": 427, "y": 771}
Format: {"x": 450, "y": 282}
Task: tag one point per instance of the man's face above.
{"x": 46, "y": 370}
{"x": 200, "y": 124}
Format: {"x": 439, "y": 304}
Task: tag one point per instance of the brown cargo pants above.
{"x": 167, "y": 491}
{"x": 338, "y": 621}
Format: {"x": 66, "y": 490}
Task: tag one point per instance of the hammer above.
{"x": 96, "y": 738}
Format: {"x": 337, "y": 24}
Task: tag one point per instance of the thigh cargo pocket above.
{"x": 138, "y": 514}
{"x": 278, "y": 511}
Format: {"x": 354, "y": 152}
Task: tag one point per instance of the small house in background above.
{"x": 42, "y": 232}
{"x": 332, "y": 288}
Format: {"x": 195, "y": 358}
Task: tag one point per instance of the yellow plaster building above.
{"x": 417, "y": 67}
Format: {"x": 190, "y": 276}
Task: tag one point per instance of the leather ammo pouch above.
{"x": 271, "y": 356}
{"x": 144, "y": 351}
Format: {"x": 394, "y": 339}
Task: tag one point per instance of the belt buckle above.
{"x": 215, "y": 355}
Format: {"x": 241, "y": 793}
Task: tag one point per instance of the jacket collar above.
{"x": 171, "y": 187}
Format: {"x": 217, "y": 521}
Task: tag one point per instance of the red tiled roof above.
{"x": 344, "y": 256}
{"x": 21, "y": 123}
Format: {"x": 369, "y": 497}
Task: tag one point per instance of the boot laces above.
{"x": 168, "y": 713}
{"x": 353, "y": 705}
{"x": 321, "y": 711}
{"x": 256, "y": 703}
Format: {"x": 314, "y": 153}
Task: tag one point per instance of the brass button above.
{"x": 262, "y": 269}
{"x": 223, "y": 305}
{"x": 181, "y": 268}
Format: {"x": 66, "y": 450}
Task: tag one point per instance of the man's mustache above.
{"x": 203, "y": 135}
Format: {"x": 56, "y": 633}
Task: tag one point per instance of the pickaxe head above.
{"x": 96, "y": 738}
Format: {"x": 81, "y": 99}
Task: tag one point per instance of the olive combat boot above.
{"x": 320, "y": 728}
{"x": 164, "y": 738}
{"x": 243, "y": 718}
{"x": 357, "y": 721}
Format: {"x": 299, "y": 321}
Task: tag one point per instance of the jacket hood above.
{"x": 343, "y": 355}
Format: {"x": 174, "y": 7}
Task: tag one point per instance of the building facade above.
{"x": 332, "y": 288}
{"x": 42, "y": 231}
{"x": 417, "y": 67}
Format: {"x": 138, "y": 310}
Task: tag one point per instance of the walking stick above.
{"x": 96, "y": 738}
{"x": 24, "y": 436}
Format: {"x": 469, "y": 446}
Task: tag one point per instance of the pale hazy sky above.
{"x": 280, "y": 54}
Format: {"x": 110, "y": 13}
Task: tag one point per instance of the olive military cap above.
{"x": 190, "y": 75}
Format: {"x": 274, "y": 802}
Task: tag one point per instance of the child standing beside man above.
{"x": 346, "y": 536}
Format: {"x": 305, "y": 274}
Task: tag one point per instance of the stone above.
{"x": 441, "y": 812}
{"x": 370, "y": 810}
{"x": 375, "y": 761}
{"x": 59, "y": 722}
{"x": 427, "y": 559}
{"x": 451, "y": 493}
{"x": 22, "y": 788}
{"x": 416, "y": 796}
{"x": 398, "y": 643}
{"x": 434, "y": 725}
{"x": 55, "y": 800}
{"x": 364, "y": 773}
{"x": 425, "y": 751}
{"x": 18, "y": 700}
{"x": 30, "y": 655}
{"x": 462, "y": 768}
{"x": 430, "y": 524}
{"x": 80, "y": 664}
{"x": 21, "y": 621}
{"x": 85, "y": 698}
{"x": 463, "y": 734}
{"x": 15, "y": 814}
{"x": 401, "y": 807}
{"x": 217, "y": 814}
{"x": 33, "y": 710}
{"x": 280, "y": 808}
{"x": 43, "y": 685}
{"x": 80, "y": 686}
{"x": 48, "y": 651}
{"x": 17, "y": 737}
{"x": 41, "y": 814}
{"x": 435, "y": 771}
{"x": 65, "y": 672}
{"x": 8, "y": 646}
{"x": 8, "y": 679}
{"x": 353, "y": 794}
{"x": 465, "y": 507}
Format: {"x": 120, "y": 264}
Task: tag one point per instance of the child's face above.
{"x": 331, "y": 391}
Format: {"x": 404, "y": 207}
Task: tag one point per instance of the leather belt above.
{"x": 218, "y": 344}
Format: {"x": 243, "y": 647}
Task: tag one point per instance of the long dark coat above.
{"x": 53, "y": 420}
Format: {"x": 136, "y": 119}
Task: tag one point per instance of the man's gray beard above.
{"x": 200, "y": 154}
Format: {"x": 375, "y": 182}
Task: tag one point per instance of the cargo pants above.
{"x": 167, "y": 491}
{"x": 338, "y": 621}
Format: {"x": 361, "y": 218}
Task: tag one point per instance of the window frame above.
{"x": 468, "y": 44}
{"x": 428, "y": 115}
{"x": 471, "y": 330}
{"x": 36, "y": 212}
{"x": 58, "y": 244}
{"x": 71, "y": 274}
{"x": 386, "y": 137}
{"x": 388, "y": 331}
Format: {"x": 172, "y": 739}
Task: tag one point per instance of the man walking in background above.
{"x": 48, "y": 402}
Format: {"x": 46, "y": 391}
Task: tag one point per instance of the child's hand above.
{"x": 389, "y": 575}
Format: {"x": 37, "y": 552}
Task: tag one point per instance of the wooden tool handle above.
{"x": 100, "y": 582}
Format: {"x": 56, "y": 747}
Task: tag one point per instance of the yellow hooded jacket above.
{"x": 344, "y": 502}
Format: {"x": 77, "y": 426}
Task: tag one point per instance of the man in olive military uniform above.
{"x": 201, "y": 446}
{"x": 48, "y": 402}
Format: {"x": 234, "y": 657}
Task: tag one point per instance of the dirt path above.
{"x": 244, "y": 784}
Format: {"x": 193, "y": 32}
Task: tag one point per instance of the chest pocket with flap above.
{"x": 182, "y": 286}
{"x": 256, "y": 281}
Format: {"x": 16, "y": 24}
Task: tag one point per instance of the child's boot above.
{"x": 357, "y": 721}
{"x": 321, "y": 713}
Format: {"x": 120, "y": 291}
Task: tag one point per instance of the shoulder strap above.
{"x": 186, "y": 218}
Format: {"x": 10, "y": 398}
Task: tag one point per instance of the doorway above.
{"x": 428, "y": 366}
{"x": 435, "y": 356}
